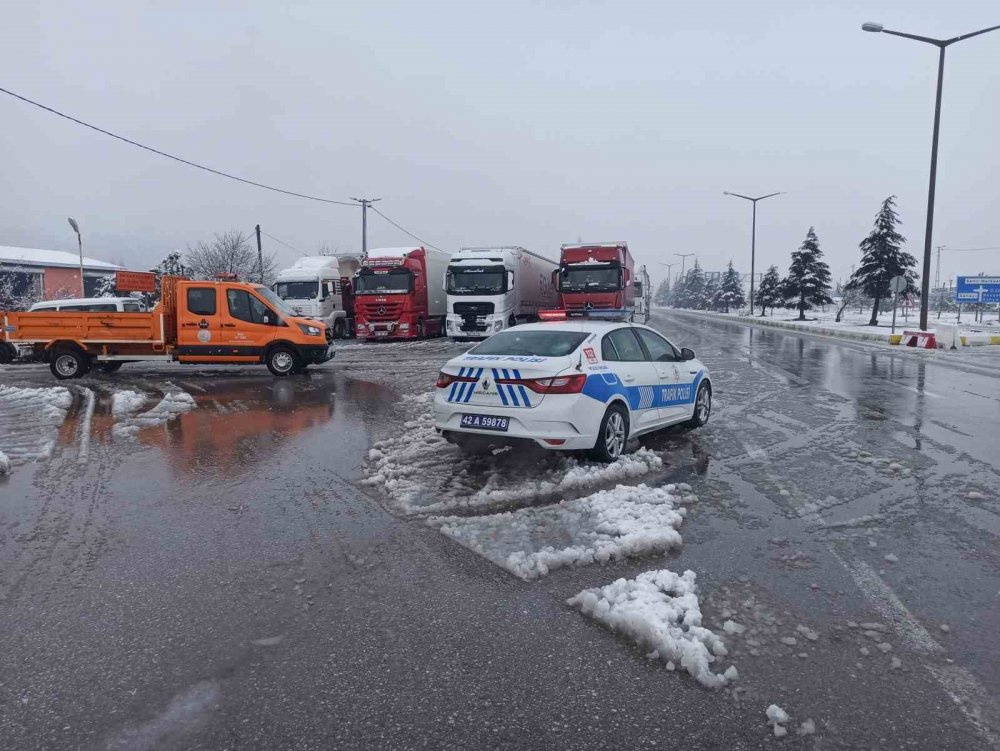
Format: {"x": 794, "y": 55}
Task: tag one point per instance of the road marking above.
{"x": 918, "y": 392}
{"x": 754, "y": 452}
{"x": 88, "y": 414}
{"x": 971, "y": 698}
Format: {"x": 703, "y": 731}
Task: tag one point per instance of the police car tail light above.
{"x": 446, "y": 379}
{"x": 572, "y": 384}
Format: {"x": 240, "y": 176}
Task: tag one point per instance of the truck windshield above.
{"x": 276, "y": 302}
{"x": 531, "y": 343}
{"x": 480, "y": 280}
{"x": 382, "y": 282}
{"x": 590, "y": 277}
{"x": 297, "y": 290}
{"x": 638, "y": 287}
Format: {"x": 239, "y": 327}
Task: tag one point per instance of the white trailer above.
{"x": 313, "y": 287}
{"x": 490, "y": 289}
{"x": 643, "y": 296}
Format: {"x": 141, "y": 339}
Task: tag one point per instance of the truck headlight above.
{"x": 310, "y": 330}
{"x": 404, "y": 327}
{"x": 498, "y": 325}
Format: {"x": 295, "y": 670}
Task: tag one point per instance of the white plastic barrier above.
{"x": 948, "y": 336}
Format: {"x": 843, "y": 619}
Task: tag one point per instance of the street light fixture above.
{"x": 684, "y": 257}
{"x": 941, "y": 44}
{"x": 753, "y": 233}
{"x": 79, "y": 242}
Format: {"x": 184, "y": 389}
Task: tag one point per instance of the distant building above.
{"x": 50, "y": 274}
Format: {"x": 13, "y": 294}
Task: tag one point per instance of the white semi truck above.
{"x": 490, "y": 289}
{"x": 643, "y": 295}
{"x": 320, "y": 287}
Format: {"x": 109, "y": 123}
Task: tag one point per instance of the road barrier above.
{"x": 919, "y": 339}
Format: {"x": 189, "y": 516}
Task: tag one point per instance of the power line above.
{"x": 967, "y": 250}
{"x": 405, "y": 231}
{"x": 171, "y": 156}
{"x": 282, "y": 242}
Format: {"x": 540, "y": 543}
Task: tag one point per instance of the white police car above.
{"x": 570, "y": 385}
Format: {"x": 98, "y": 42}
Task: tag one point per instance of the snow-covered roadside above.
{"x": 422, "y": 473}
{"x": 626, "y": 521}
{"x": 126, "y": 402}
{"x": 29, "y": 421}
{"x": 172, "y": 404}
{"x": 659, "y": 611}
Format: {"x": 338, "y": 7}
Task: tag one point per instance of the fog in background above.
{"x": 500, "y": 123}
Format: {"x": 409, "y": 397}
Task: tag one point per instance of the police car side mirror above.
{"x": 687, "y": 353}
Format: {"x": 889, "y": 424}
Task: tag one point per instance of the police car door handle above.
{"x": 628, "y": 379}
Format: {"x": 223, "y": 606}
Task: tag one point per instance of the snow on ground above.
{"x": 126, "y": 402}
{"x": 608, "y": 525}
{"x": 659, "y": 611}
{"x": 30, "y": 419}
{"x": 172, "y": 404}
{"x": 423, "y": 473}
{"x": 4, "y": 464}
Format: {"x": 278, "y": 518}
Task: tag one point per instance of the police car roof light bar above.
{"x": 551, "y": 315}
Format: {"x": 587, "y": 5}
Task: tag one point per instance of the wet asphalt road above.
{"x": 220, "y": 580}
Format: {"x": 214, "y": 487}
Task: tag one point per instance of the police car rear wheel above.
{"x": 702, "y": 407}
{"x": 612, "y": 436}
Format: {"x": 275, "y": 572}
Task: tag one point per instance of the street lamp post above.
{"x": 941, "y": 44}
{"x": 753, "y": 233}
{"x": 684, "y": 257}
{"x": 79, "y": 242}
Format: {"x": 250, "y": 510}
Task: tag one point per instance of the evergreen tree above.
{"x": 710, "y": 298}
{"x": 693, "y": 293}
{"x": 662, "y": 296}
{"x": 106, "y": 286}
{"x": 770, "y": 293}
{"x": 882, "y": 258}
{"x": 731, "y": 290}
{"x": 808, "y": 280}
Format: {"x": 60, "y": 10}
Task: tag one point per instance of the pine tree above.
{"x": 731, "y": 290}
{"x": 808, "y": 280}
{"x": 882, "y": 258}
{"x": 770, "y": 293}
{"x": 662, "y": 296}
{"x": 693, "y": 293}
{"x": 710, "y": 297}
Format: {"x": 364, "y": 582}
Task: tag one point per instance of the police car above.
{"x": 570, "y": 385}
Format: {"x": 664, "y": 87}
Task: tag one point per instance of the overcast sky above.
{"x": 528, "y": 123}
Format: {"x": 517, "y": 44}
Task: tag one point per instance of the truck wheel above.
{"x": 702, "y": 407}
{"x": 338, "y": 329}
{"x": 68, "y": 363}
{"x": 612, "y": 436}
{"x": 7, "y": 353}
{"x": 511, "y": 322}
{"x": 282, "y": 360}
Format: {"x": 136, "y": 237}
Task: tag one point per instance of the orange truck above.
{"x": 195, "y": 322}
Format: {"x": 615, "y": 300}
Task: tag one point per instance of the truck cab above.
{"x": 399, "y": 294}
{"x": 319, "y": 287}
{"x": 643, "y": 296}
{"x": 596, "y": 276}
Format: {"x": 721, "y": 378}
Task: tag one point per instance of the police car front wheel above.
{"x": 612, "y": 436}
{"x": 702, "y": 406}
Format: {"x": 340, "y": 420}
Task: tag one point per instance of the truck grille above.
{"x": 376, "y": 312}
{"x": 473, "y": 308}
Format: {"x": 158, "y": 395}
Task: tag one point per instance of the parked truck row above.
{"x": 390, "y": 293}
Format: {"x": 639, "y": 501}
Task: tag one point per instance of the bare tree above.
{"x": 231, "y": 252}
{"x": 18, "y": 291}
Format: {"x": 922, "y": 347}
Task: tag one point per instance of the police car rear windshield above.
{"x": 536, "y": 343}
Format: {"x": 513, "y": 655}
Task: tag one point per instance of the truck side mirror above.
{"x": 555, "y": 279}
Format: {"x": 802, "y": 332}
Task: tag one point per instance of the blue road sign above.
{"x": 973, "y": 289}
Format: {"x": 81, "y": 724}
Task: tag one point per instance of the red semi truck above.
{"x": 399, "y": 293}
{"x": 596, "y": 276}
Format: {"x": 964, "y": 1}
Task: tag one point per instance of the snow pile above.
{"x": 30, "y": 419}
{"x": 126, "y": 402}
{"x": 610, "y": 524}
{"x": 777, "y": 717}
{"x": 659, "y": 610}
{"x": 172, "y": 404}
{"x": 4, "y": 464}
{"x": 423, "y": 473}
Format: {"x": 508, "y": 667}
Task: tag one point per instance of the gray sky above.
{"x": 502, "y": 123}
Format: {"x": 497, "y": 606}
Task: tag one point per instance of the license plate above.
{"x": 486, "y": 422}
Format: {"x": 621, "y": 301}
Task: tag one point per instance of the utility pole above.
{"x": 365, "y": 203}
{"x": 260, "y": 255}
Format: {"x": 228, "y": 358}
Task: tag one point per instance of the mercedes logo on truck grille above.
{"x": 381, "y": 310}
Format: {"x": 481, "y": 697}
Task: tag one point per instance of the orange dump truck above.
{"x": 195, "y": 322}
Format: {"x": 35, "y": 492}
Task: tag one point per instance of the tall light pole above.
{"x": 753, "y": 234}
{"x": 669, "y": 267}
{"x": 941, "y": 44}
{"x": 365, "y": 203}
{"x": 684, "y": 257}
{"x": 79, "y": 242}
